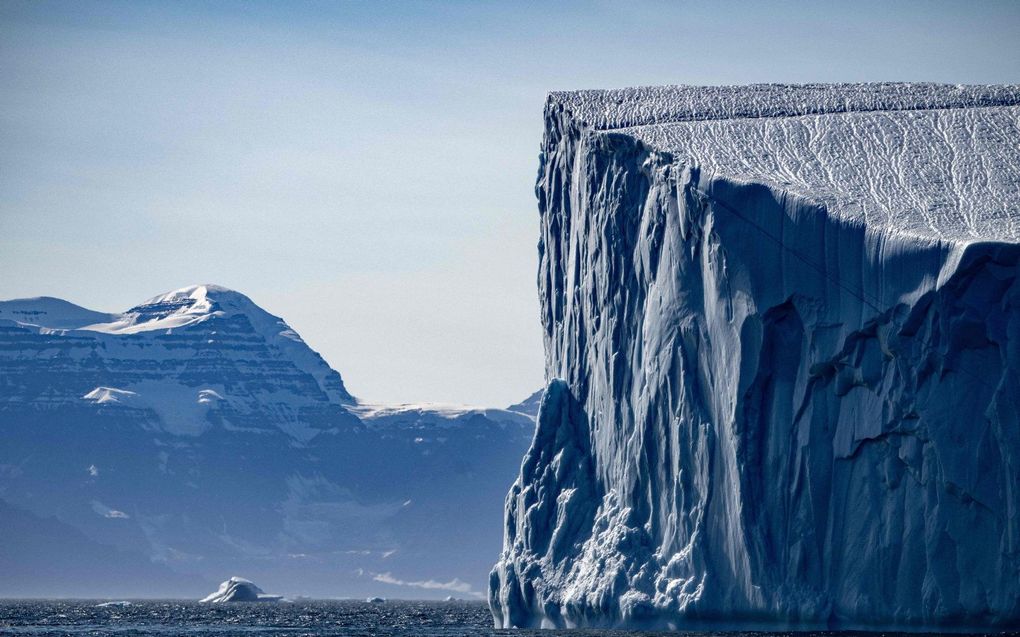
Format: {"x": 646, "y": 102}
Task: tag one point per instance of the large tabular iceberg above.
{"x": 782, "y": 328}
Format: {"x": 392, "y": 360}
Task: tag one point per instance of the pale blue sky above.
{"x": 366, "y": 170}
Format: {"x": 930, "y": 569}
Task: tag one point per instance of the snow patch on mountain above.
{"x": 432, "y": 415}
{"x": 110, "y": 395}
{"x": 106, "y": 512}
{"x": 209, "y": 397}
{"x": 180, "y": 410}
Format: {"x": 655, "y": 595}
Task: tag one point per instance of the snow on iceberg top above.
{"x": 938, "y": 161}
{"x": 239, "y": 589}
{"x": 951, "y": 174}
{"x": 626, "y": 107}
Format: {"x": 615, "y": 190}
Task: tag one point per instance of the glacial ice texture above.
{"x": 782, "y": 332}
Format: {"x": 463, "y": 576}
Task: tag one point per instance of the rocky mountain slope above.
{"x": 200, "y": 431}
{"x": 782, "y": 334}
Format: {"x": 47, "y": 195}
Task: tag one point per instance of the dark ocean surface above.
{"x": 312, "y": 618}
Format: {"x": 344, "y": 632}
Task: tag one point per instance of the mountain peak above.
{"x": 199, "y": 293}
{"x": 177, "y": 308}
{"x": 182, "y": 307}
{"x": 186, "y": 307}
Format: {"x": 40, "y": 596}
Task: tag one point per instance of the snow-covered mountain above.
{"x": 782, "y": 331}
{"x": 201, "y": 431}
{"x": 183, "y": 360}
{"x": 529, "y": 405}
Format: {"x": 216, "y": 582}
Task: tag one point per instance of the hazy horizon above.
{"x": 366, "y": 171}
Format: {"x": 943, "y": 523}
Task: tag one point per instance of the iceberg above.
{"x": 238, "y": 589}
{"x": 782, "y": 336}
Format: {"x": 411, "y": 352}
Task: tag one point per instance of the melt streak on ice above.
{"x": 783, "y": 341}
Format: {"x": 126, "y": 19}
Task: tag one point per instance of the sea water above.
{"x": 311, "y": 618}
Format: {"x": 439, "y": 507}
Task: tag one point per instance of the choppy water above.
{"x": 303, "y": 618}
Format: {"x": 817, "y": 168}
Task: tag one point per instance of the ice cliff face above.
{"x": 782, "y": 328}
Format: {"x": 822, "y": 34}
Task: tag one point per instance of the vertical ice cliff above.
{"x": 782, "y": 332}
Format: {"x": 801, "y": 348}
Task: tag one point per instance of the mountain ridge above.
{"x": 202, "y": 432}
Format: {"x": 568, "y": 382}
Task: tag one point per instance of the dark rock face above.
{"x": 768, "y": 407}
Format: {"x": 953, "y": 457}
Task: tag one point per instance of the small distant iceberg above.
{"x": 376, "y": 600}
{"x": 238, "y": 589}
{"x": 113, "y": 604}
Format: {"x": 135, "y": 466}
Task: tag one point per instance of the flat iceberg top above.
{"x": 950, "y": 174}
{"x": 930, "y": 160}
{"x": 626, "y": 107}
